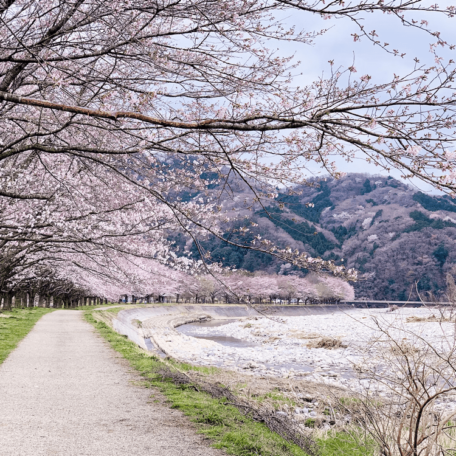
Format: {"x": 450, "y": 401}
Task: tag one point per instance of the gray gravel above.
{"x": 64, "y": 391}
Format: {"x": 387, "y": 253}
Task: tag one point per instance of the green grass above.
{"x": 222, "y": 423}
{"x": 277, "y": 399}
{"x": 349, "y": 401}
{"x": 101, "y": 306}
{"x": 353, "y": 443}
{"x": 16, "y": 327}
{"x": 123, "y": 305}
{"x": 185, "y": 367}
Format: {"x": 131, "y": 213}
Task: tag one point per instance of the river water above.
{"x": 197, "y": 330}
{"x": 194, "y": 330}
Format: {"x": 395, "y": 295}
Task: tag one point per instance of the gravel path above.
{"x": 64, "y": 391}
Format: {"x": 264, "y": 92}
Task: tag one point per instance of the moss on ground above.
{"x": 15, "y": 324}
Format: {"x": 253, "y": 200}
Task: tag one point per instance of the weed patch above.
{"x": 327, "y": 342}
{"x": 276, "y": 399}
{"x": 310, "y": 422}
{"x": 350, "y": 443}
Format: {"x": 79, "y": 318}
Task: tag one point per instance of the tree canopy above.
{"x": 111, "y": 110}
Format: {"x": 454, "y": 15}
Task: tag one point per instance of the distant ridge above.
{"x": 402, "y": 241}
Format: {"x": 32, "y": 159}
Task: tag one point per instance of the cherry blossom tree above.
{"x": 334, "y": 287}
{"x": 105, "y": 105}
{"x": 86, "y": 218}
{"x": 263, "y": 287}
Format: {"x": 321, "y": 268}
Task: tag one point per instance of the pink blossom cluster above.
{"x": 124, "y": 121}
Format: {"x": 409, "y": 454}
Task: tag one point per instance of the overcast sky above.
{"x": 338, "y": 45}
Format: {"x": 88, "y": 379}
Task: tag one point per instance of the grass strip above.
{"x": 121, "y": 306}
{"x": 352, "y": 442}
{"x": 229, "y": 430}
{"x": 15, "y": 324}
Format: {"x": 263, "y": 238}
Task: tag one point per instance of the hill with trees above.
{"x": 399, "y": 239}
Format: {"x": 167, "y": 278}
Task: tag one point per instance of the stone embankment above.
{"x": 160, "y": 330}
{"x": 157, "y": 324}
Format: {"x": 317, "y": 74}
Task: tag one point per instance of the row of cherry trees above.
{"x": 48, "y": 291}
{"x": 91, "y": 229}
{"x": 240, "y": 287}
{"x": 265, "y": 289}
{"x": 181, "y": 287}
{"x": 111, "y": 112}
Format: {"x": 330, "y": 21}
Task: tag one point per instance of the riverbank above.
{"x": 299, "y": 408}
{"x": 327, "y": 347}
{"x": 356, "y": 353}
{"x": 330, "y": 345}
{"x": 225, "y": 425}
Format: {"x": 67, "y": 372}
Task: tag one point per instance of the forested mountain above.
{"x": 394, "y": 235}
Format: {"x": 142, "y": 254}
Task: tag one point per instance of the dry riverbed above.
{"x": 332, "y": 349}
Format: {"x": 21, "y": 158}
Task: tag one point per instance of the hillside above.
{"x": 395, "y": 236}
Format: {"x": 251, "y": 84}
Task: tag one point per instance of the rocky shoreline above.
{"x": 332, "y": 348}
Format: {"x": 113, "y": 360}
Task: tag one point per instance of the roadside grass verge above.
{"x": 229, "y": 430}
{"x": 15, "y": 324}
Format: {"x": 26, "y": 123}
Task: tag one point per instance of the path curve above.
{"x": 64, "y": 391}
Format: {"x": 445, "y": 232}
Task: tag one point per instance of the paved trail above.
{"x": 64, "y": 391}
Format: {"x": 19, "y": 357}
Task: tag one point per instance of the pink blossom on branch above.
{"x": 105, "y": 105}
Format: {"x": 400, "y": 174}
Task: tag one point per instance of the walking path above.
{"x": 64, "y": 391}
